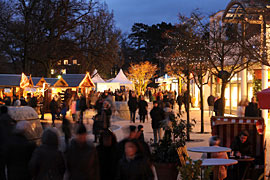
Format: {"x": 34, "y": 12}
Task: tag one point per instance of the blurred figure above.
{"x": 133, "y": 105}
{"x": 53, "y": 108}
{"x": 167, "y": 121}
{"x": 140, "y": 133}
{"x": 83, "y": 107}
{"x": 107, "y": 154}
{"x": 47, "y": 161}
{"x": 241, "y": 107}
{"x": 211, "y": 102}
{"x": 142, "y": 109}
{"x": 157, "y": 115}
{"x": 218, "y": 106}
{"x": 132, "y": 134}
{"x": 179, "y": 101}
{"x": 66, "y": 128}
{"x": 106, "y": 115}
{"x": 19, "y": 153}
{"x": 133, "y": 165}
{"x": 6, "y": 127}
{"x": 82, "y": 159}
{"x": 219, "y": 172}
{"x": 252, "y": 109}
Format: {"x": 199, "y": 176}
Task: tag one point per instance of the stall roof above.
{"x": 35, "y": 80}
{"x": 51, "y": 81}
{"x": 73, "y": 80}
{"x": 10, "y": 80}
{"x": 78, "y": 80}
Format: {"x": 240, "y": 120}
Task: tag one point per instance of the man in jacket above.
{"x": 82, "y": 159}
{"x": 133, "y": 105}
{"x": 157, "y": 115}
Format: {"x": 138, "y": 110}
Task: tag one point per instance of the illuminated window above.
{"x": 75, "y": 61}
{"x": 63, "y": 71}
{"x": 65, "y": 62}
{"x": 59, "y": 62}
{"x": 52, "y": 71}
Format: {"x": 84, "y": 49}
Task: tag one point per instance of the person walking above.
{"x": 252, "y": 109}
{"x": 53, "y": 108}
{"x": 19, "y": 153}
{"x": 157, "y": 115}
{"x": 47, "y": 161}
{"x": 133, "y": 105}
{"x": 142, "y": 109}
{"x": 179, "y": 101}
{"x": 134, "y": 166}
{"x": 82, "y": 158}
{"x": 211, "y": 102}
{"x": 83, "y": 107}
{"x": 107, "y": 154}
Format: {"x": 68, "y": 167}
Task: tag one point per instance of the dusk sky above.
{"x": 128, "y": 12}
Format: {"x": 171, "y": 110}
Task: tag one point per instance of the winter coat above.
{"x": 252, "y": 110}
{"x": 107, "y": 161}
{"x": 157, "y": 115}
{"x": 132, "y": 103}
{"x": 134, "y": 169}
{"x": 53, "y": 106}
{"x": 83, "y": 105}
{"x": 19, "y": 152}
{"x": 47, "y": 162}
{"x": 142, "y": 107}
{"x": 82, "y": 161}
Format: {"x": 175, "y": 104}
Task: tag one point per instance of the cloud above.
{"x": 128, "y": 12}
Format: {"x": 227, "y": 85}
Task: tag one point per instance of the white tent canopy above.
{"x": 121, "y": 78}
{"x": 97, "y": 79}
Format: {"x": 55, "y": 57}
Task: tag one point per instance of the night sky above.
{"x": 128, "y": 12}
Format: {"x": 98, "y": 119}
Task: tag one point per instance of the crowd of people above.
{"x": 80, "y": 159}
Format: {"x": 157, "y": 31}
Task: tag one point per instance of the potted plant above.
{"x": 164, "y": 153}
{"x": 192, "y": 170}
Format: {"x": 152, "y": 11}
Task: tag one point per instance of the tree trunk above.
{"x": 223, "y": 87}
{"x": 188, "y": 97}
{"x": 48, "y": 70}
{"x": 202, "y": 120}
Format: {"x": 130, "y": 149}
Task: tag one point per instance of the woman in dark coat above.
{"x": 107, "y": 154}
{"x": 142, "y": 109}
{"x": 134, "y": 165}
{"x": 19, "y": 153}
{"x": 47, "y": 161}
{"x": 157, "y": 115}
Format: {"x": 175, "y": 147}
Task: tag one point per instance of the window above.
{"x": 63, "y": 71}
{"x": 65, "y": 62}
{"x": 75, "y": 61}
{"x": 52, "y": 71}
{"x": 59, "y": 62}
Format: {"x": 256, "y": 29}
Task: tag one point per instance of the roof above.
{"x": 51, "y": 81}
{"x": 35, "y": 80}
{"x": 97, "y": 79}
{"x": 10, "y": 80}
{"x": 121, "y": 78}
{"x": 73, "y": 80}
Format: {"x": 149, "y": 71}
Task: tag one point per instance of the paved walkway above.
{"x": 119, "y": 127}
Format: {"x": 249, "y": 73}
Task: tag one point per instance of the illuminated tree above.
{"x": 141, "y": 74}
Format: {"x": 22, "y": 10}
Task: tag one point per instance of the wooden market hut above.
{"x": 81, "y": 83}
{"x": 14, "y": 84}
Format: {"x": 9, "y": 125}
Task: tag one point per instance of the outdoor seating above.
{"x": 226, "y": 128}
